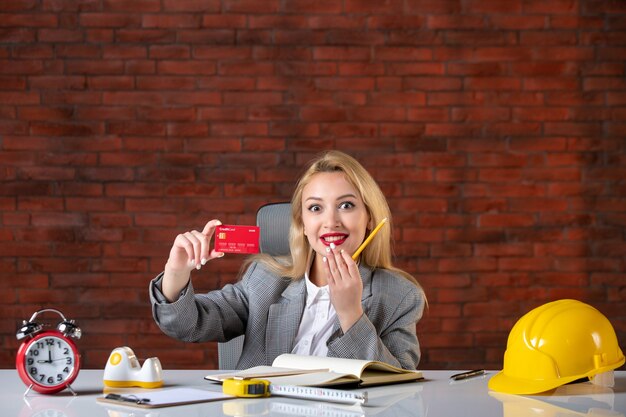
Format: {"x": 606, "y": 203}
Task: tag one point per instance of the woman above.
{"x": 317, "y": 300}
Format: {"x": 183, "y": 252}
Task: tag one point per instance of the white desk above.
{"x": 435, "y": 396}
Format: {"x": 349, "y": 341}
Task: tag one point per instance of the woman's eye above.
{"x": 314, "y": 207}
{"x": 346, "y": 205}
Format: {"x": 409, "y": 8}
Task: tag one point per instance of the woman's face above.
{"x": 333, "y": 212}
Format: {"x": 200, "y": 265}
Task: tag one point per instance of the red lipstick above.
{"x": 336, "y": 238}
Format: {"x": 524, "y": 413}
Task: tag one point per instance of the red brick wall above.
{"x": 496, "y": 129}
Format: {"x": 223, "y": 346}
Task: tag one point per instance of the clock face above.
{"x": 48, "y": 361}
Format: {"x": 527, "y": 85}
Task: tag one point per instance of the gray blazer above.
{"x": 268, "y": 309}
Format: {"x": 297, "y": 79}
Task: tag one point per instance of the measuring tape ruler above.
{"x": 323, "y": 394}
{"x": 252, "y": 388}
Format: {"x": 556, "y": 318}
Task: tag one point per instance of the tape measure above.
{"x": 247, "y": 388}
{"x": 254, "y": 388}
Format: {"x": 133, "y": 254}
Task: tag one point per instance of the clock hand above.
{"x": 46, "y": 361}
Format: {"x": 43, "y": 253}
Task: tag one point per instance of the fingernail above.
{"x": 324, "y": 259}
{"x": 198, "y": 267}
{"x": 327, "y": 250}
{"x": 341, "y": 251}
{"x": 192, "y": 262}
{"x": 332, "y": 246}
{"x": 221, "y": 255}
{"x": 218, "y": 223}
{"x": 203, "y": 261}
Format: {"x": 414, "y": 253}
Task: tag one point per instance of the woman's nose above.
{"x": 332, "y": 219}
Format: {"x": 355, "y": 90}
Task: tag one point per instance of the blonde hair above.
{"x": 377, "y": 254}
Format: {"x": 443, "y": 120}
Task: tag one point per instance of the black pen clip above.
{"x": 128, "y": 398}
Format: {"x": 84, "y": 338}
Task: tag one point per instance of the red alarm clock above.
{"x": 48, "y": 361}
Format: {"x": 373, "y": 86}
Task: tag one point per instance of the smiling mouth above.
{"x": 337, "y": 239}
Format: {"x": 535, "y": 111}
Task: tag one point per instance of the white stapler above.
{"x": 122, "y": 370}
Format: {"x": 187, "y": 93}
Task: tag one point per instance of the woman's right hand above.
{"x": 190, "y": 250}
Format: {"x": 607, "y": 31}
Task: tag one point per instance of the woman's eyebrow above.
{"x": 341, "y": 197}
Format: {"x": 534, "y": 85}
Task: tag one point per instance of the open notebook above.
{"x": 320, "y": 371}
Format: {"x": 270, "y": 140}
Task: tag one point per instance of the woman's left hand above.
{"x": 346, "y": 287}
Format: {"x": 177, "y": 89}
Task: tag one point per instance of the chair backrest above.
{"x": 274, "y": 220}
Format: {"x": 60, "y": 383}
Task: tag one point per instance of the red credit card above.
{"x": 237, "y": 239}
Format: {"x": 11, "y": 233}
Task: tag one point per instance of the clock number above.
{"x": 33, "y": 371}
{"x": 59, "y": 377}
{"x": 69, "y": 361}
{"x": 66, "y": 351}
{"x": 49, "y": 342}
{"x": 66, "y": 370}
{"x": 34, "y": 352}
{"x": 50, "y": 380}
{"x": 30, "y": 361}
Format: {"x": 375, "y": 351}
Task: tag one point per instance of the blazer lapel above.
{"x": 366, "y": 277}
{"x": 284, "y": 320}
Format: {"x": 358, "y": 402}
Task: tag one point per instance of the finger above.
{"x": 196, "y": 248}
{"x": 208, "y": 231}
{"x": 351, "y": 266}
{"x": 342, "y": 267}
{"x": 182, "y": 242}
{"x": 204, "y": 246}
{"x": 210, "y": 227}
{"x": 332, "y": 265}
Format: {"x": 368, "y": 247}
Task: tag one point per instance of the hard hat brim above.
{"x": 501, "y": 382}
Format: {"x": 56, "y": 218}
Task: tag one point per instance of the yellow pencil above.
{"x": 369, "y": 239}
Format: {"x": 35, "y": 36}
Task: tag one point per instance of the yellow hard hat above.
{"x": 554, "y": 344}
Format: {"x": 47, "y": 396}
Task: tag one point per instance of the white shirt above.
{"x": 317, "y": 321}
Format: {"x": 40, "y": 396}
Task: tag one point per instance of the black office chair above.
{"x": 274, "y": 220}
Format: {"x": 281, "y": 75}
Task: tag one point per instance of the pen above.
{"x": 128, "y": 399}
{"x": 468, "y": 374}
{"x": 369, "y": 239}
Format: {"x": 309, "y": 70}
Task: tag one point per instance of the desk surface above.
{"x": 435, "y": 396}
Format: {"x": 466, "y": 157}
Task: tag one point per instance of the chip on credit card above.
{"x": 237, "y": 239}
